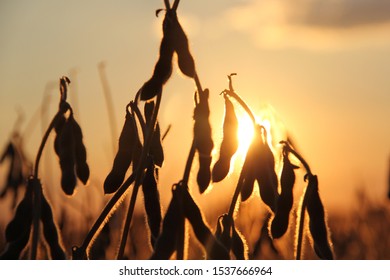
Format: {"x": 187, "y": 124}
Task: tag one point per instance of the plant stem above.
{"x": 44, "y": 140}
{"x": 237, "y": 192}
{"x": 167, "y": 4}
{"x": 37, "y": 188}
{"x": 301, "y": 225}
{"x": 137, "y": 112}
{"x": 139, "y": 176}
{"x": 175, "y": 4}
{"x": 298, "y": 251}
{"x": 197, "y": 83}
{"x": 242, "y": 103}
{"x": 99, "y": 223}
{"x": 297, "y": 155}
{"x": 180, "y": 242}
{"x": 190, "y": 160}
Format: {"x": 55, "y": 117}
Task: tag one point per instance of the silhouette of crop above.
{"x": 229, "y": 143}
{"x": 139, "y": 160}
{"x": 34, "y": 208}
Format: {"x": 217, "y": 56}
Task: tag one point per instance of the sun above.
{"x": 245, "y": 133}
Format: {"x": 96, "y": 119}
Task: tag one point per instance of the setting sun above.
{"x": 245, "y": 133}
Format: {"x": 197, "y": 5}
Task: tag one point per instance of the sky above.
{"x": 321, "y": 67}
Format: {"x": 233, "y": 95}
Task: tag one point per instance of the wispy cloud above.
{"x": 313, "y": 24}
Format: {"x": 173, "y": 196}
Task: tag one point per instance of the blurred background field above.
{"x": 360, "y": 233}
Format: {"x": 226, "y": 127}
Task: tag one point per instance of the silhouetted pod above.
{"x": 58, "y": 128}
{"x": 185, "y": 60}
{"x": 317, "y": 224}
{"x": 250, "y": 164}
{"x": 163, "y": 68}
{"x": 285, "y": 200}
{"x": 220, "y": 169}
{"x": 152, "y": 202}
{"x": 150, "y": 89}
{"x": 156, "y": 149}
{"x": 229, "y": 143}
{"x": 265, "y": 174}
{"x": 22, "y": 219}
{"x": 202, "y": 128}
{"x": 123, "y": 157}
{"x": 202, "y": 139}
{"x": 213, "y": 247}
{"x": 82, "y": 168}
{"x": 67, "y": 158}
{"x": 50, "y": 231}
{"x": 14, "y": 249}
{"x": 17, "y": 232}
{"x": 204, "y": 173}
{"x": 166, "y": 243}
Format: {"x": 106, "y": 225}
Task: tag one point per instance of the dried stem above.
{"x": 62, "y": 111}
{"x": 38, "y": 189}
{"x": 135, "y": 109}
{"x": 238, "y": 98}
{"x": 175, "y": 4}
{"x": 301, "y": 225}
{"x": 236, "y": 193}
{"x": 297, "y": 155}
{"x": 99, "y": 223}
{"x": 109, "y": 104}
{"x": 167, "y": 4}
{"x": 299, "y": 241}
{"x": 190, "y": 160}
{"x": 180, "y": 243}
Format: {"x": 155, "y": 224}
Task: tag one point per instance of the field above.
{"x": 252, "y": 192}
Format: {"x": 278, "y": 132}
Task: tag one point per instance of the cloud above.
{"x": 313, "y": 24}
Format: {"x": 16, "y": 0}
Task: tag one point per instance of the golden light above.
{"x": 245, "y": 133}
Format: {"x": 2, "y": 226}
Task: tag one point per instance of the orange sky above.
{"x": 323, "y": 68}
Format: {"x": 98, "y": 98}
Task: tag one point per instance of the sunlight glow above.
{"x": 245, "y": 133}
